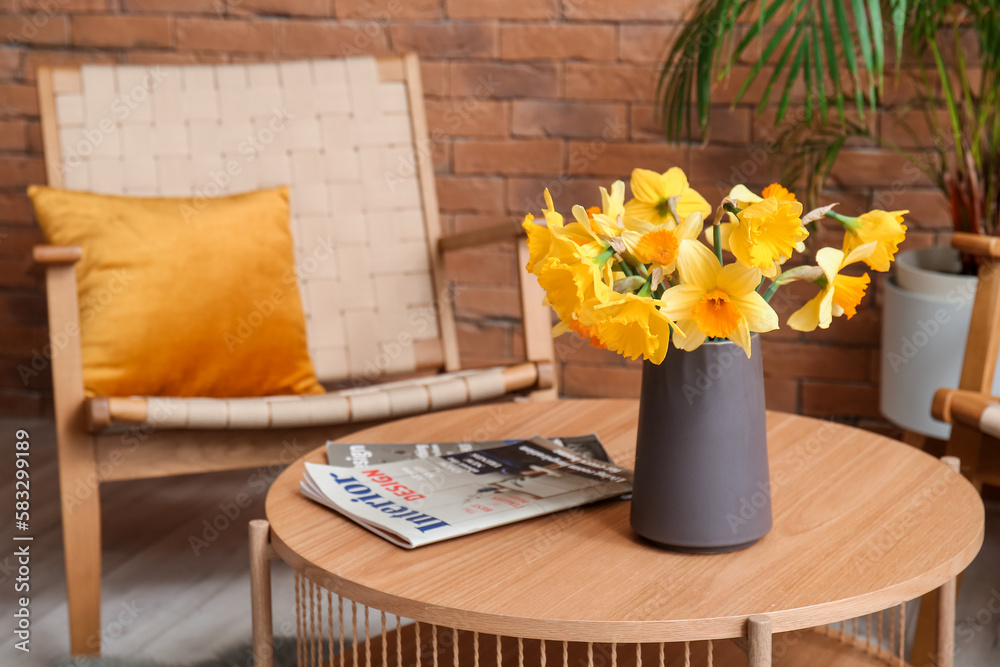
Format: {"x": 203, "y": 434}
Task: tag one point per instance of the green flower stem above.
{"x": 772, "y": 288}
{"x": 846, "y": 221}
{"x": 625, "y": 268}
{"x": 605, "y": 255}
{"x": 646, "y": 289}
{"x": 717, "y": 240}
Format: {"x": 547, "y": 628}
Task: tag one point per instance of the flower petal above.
{"x": 646, "y": 186}
{"x": 687, "y": 336}
{"x": 691, "y": 227}
{"x": 680, "y": 300}
{"x": 697, "y": 265}
{"x": 742, "y": 337}
{"x": 737, "y": 280}
{"x": 759, "y": 314}
{"x": 830, "y": 260}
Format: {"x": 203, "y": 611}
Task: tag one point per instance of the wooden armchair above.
{"x": 973, "y": 413}
{"x": 183, "y": 124}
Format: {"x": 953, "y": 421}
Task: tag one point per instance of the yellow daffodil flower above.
{"x": 767, "y": 234}
{"x": 540, "y": 233}
{"x": 573, "y": 283}
{"x": 584, "y": 331}
{"x": 885, "y": 228}
{"x": 634, "y": 327}
{"x": 715, "y": 301}
{"x": 779, "y": 192}
{"x": 659, "y": 245}
{"x": 839, "y": 295}
{"x": 650, "y": 192}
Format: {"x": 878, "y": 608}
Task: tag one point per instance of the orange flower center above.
{"x": 587, "y": 333}
{"x": 592, "y": 211}
{"x": 659, "y": 246}
{"x": 848, "y": 292}
{"x": 779, "y": 192}
{"x": 716, "y": 315}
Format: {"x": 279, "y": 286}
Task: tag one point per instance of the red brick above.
{"x": 572, "y": 348}
{"x": 725, "y": 91}
{"x": 490, "y": 302}
{"x": 436, "y": 77}
{"x": 388, "y": 10}
{"x": 536, "y": 118}
{"x": 141, "y": 57}
{"x": 557, "y": 41}
{"x": 828, "y": 399}
{"x": 26, "y": 404}
{"x": 644, "y": 43}
{"x": 282, "y": 8}
{"x": 617, "y": 160}
{"x": 544, "y": 156}
{"x": 15, "y": 207}
{"x": 314, "y": 38}
{"x": 483, "y": 345}
{"x": 213, "y": 7}
{"x": 66, "y": 6}
{"x": 871, "y": 168}
{"x": 467, "y": 117}
{"x": 492, "y": 265}
{"x": 803, "y": 360}
{"x": 502, "y": 9}
{"x": 21, "y": 171}
{"x": 226, "y": 36}
{"x": 466, "y": 222}
{"x": 504, "y": 80}
{"x": 124, "y": 32}
{"x": 445, "y": 40}
{"x": 781, "y": 395}
{"x": 728, "y": 166}
{"x": 912, "y": 129}
{"x": 525, "y": 195}
{"x": 33, "y": 59}
{"x": 614, "y": 83}
{"x": 441, "y": 154}
{"x": 40, "y": 28}
{"x": 20, "y": 272}
{"x": 13, "y": 135}
{"x": 470, "y": 193}
{"x": 929, "y": 209}
{"x": 625, "y": 10}
{"x": 10, "y": 63}
{"x": 865, "y": 328}
{"x": 19, "y": 240}
{"x": 23, "y": 341}
{"x": 18, "y": 101}
{"x": 729, "y": 126}
{"x": 23, "y": 309}
{"x": 600, "y": 382}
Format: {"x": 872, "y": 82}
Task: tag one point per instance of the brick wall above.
{"x": 521, "y": 95}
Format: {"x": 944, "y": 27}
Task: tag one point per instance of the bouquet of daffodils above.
{"x": 632, "y": 276}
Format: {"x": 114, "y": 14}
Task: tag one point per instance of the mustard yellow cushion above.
{"x": 184, "y": 297}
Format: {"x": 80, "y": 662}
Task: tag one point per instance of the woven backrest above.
{"x": 348, "y": 136}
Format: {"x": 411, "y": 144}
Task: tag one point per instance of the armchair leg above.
{"x": 759, "y": 641}
{"x": 261, "y": 554}
{"x": 81, "y": 524}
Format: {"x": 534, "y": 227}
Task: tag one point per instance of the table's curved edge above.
{"x": 723, "y": 627}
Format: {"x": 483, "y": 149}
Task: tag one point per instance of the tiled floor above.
{"x": 176, "y": 591}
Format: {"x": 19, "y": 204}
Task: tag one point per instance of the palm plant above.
{"x": 838, "y": 50}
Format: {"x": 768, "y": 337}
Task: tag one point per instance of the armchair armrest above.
{"x": 57, "y": 254}
{"x": 976, "y": 244}
{"x": 961, "y": 406}
{"x": 478, "y": 237}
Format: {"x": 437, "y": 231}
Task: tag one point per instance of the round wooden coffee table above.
{"x": 862, "y": 523}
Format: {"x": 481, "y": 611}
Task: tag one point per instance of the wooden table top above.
{"x": 861, "y": 522}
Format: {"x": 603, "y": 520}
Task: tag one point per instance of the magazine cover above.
{"x": 359, "y": 455}
{"x": 421, "y": 501}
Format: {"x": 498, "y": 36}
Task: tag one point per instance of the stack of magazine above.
{"x": 417, "y": 494}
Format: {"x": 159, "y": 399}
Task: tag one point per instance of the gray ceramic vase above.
{"x": 701, "y": 472}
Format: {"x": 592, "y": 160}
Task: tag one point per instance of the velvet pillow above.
{"x": 184, "y": 297}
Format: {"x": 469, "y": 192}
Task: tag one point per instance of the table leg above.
{"x": 261, "y": 553}
{"x": 759, "y": 641}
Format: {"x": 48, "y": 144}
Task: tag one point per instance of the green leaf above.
{"x": 790, "y": 81}
{"x": 898, "y": 27}
{"x": 878, "y": 38}
{"x": 831, "y": 60}
{"x": 771, "y": 47}
{"x": 779, "y": 68}
{"x": 818, "y": 64}
{"x": 847, "y": 42}
{"x": 865, "y": 39}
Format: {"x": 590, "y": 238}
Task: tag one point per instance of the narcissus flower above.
{"x": 634, "y": 327}
{"x": 767, "y": 233}
{"x": 651, "y": 192}
{"x": 715, "y": 301}
{"x": 540, "y": 233}
{"x": 573, "y": 283}
{"x": 779, "y": 192}
{"x": 885, "y": 228}
{"x": 839, "y": 295}
{"x": 659, "y": 245}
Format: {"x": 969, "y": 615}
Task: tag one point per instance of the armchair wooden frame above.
{"x": 105, "y": 439}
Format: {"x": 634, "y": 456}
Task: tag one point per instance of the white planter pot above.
{"x": 925, "y": 322}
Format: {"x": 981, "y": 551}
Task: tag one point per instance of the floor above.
{"x": 175, "y": 567}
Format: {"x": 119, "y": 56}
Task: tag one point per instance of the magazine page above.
{"x": 417, "y": 502}
{"x": 359, "y": 455}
